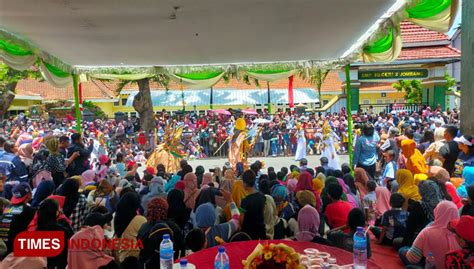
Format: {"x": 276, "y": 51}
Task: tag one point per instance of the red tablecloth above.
{"x": 239, "y": 251}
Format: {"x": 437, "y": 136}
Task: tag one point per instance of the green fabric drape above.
{"x": 16, "y": 56}
{"x": 14, "y": 49}
{"x": 54, "y": 76}
{"x": 385, "y": 49}
{"x": 436, "y": 15}
{"x": 198, "y": 80}
{"x": 428, "y": 8}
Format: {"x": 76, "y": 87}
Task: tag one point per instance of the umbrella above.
{"x": 261, "y": 121}
{"x": 221, "y": 112}
{"x": 249, "y": 111}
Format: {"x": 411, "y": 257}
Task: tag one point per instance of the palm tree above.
{"x": 315, "y": 77}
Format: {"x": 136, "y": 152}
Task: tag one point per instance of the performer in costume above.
{"x": 169, "y": 152}
{"x": 239, "y": 146}
{"x": 329, "y": 149}
{"x": 301, "y": 146}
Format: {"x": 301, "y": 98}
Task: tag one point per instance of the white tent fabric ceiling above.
{"x": 189, "y": 32}
{"x": 228, "y": 96}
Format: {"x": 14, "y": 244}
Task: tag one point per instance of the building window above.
{"x": 384, "y": 94}
{"x": 388, "y": 101}
{"x": 365, "y": 102}
{"x": 116, "y": 103}
{"x": 379, "y": 101}
{"x": 325, "y": 102}
{"x": 124, "y": 101}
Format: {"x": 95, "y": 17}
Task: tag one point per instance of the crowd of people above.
{"x": 412, "y": 187}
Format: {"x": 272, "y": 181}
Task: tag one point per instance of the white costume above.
{"x": 301, "y": 147}
{"x": 329, "y": 150}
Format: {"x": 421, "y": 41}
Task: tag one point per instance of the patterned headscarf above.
{"x": 430, "y": 197}
{"x": 157, "y": 209}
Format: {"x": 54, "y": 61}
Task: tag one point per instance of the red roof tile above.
{"x": 90, "y": 90}
{"x": 412, "y": 33}
{"x": 434, "y": 52}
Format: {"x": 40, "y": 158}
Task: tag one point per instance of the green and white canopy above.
{"x": 199, "y": 42}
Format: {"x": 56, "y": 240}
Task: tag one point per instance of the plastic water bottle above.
{"x": 430, "y": 262}
{"x": 183, "y": 264}
{"x": 166, "y": 252}
{"x": 222, "y": 260}
{"x": 360, "y": 249}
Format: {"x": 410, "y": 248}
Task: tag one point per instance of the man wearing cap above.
{"x": 17, "y": 215}
{"x": 463, "y": 258}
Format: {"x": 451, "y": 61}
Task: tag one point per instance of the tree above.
{"x": 412, "y": 89}
{"x": 315, "y": 77}
{"x": 9, "y": 79}
{"x": 451, "y": 82}
{"x": 142, "y": 102}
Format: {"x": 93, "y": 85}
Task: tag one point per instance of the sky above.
{"x": 457, "y": 21}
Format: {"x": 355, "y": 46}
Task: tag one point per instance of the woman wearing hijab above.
{"x": 127, "y": 222}
{"x": 47, "y": 221}
{"x": 468, "y": 175}
{"x": 435, "y": 238}
{"x": 308, "y": 226}
{"x": 171, "y": 183}
{"x": 422, "y": 212}
{"x": 383, "y": 201}
{"x": 441, "y": 176}
{"x": 61, "y": 217}
{"x": 406, "y": 186}
{"x": 75, "y": 206}
{"x": 238, "y": 193}
{"x": 360, "y": 179}
{"x": 220, "y": 233}
{"x": 156, "y": 187}
{"x": 191, "y": 190}
{"x": 349, "y": 180}
{"x": 177, "y": 210}
{"x": 157, "y": 211}
{"x": 318, "y": 182}
{"x": 206, "y": 180}
{"x": 351, "y": 198}
{"x": 270, "y": 216}
{"x": 25, "y": 152}
{"x": 305, "y": 182}
{"x": 44, "y": 189}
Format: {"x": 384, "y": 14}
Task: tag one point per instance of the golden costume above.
{"x": 239, "y": 146}
{"x": 170, "y": 152}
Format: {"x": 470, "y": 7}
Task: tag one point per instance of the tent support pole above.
{"x": 211, "y": 99}
{"x": 75, "y": 79}
{"x": 269, "y": 105}
{"x": 349, "y": 112}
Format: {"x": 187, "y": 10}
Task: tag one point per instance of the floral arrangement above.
{"x": 273, "y": 256}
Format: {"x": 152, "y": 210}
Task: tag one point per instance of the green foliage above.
{"x": 412, "y": 89}
{"x": 315, "y": 77}
{"x": 450, "y": 82}
{"x": 9, "y": 77}
{"x": 94, "y": 109}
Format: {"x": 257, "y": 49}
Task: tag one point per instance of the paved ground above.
{"x": 277, "y": 162}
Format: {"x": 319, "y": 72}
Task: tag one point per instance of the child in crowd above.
{"x": 393, "y": 222}
{"x": 369, "y": 202}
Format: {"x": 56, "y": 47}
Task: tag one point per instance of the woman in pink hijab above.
{"x": 435, "y": 238}
{"x": 25, "y": 152}
{"x": 383, "y": 201}
{"x": 308, "y": 224}
{"x": 191, "y": 190}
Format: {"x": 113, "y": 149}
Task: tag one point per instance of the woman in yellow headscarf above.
{"x": 318, "y": 182}
{"x": 406, "y": 186}
{"x": 238, "y": 193}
